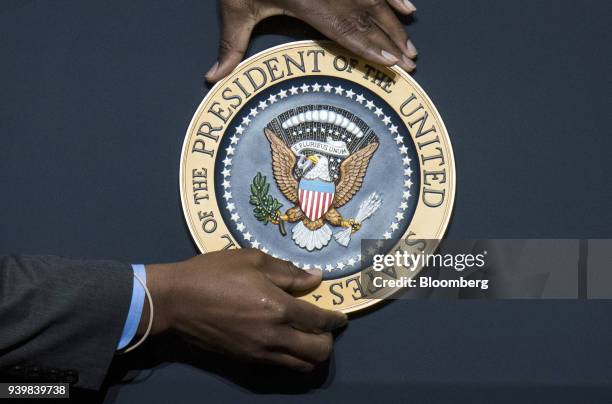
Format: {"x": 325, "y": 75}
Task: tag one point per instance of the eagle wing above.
{"x": 283, "y": 162}
{"x": 352, "y": 171}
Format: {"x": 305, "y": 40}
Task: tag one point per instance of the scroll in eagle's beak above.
{"x": 314, "y": 159}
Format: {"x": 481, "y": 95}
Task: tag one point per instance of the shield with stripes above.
{"x": 315, "y": 197}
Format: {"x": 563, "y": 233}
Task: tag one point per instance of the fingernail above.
{"x": 412, "y": 51}
{"x": 389, "y": 57}
{"x": 213, "y": 69}
{"x": 315, "y": 272}
{"x": 408, "y": 62}
{"x": 409, "y": 6}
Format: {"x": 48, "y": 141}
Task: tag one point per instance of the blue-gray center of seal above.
{"x": 321, "y": 125}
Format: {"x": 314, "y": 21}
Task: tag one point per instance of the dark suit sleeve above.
{"x": 61, "y": 317}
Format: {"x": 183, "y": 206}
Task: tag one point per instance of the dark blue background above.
{"x": 96, "y": 97}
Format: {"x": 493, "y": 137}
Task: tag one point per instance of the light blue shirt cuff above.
{"x": 133, "y": 317}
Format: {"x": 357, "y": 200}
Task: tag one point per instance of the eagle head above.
{"x": 316, "y": 167}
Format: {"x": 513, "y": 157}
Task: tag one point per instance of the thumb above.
{"x": 290, "y": 278}
{"x": 235, "y": 34}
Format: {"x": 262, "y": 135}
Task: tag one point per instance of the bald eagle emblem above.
{"x": 320, "y": 156}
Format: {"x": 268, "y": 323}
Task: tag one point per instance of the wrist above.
{"x": 159, "y": 283}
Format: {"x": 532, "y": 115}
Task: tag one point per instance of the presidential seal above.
{"x": 304, "y": 152}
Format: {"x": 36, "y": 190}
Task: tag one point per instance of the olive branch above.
{"x": 266, "y": 207}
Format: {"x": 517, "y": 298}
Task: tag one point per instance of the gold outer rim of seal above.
{"x": 441, "y": 130}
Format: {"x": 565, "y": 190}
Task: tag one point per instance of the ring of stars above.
{"x": 240, "y": 130}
